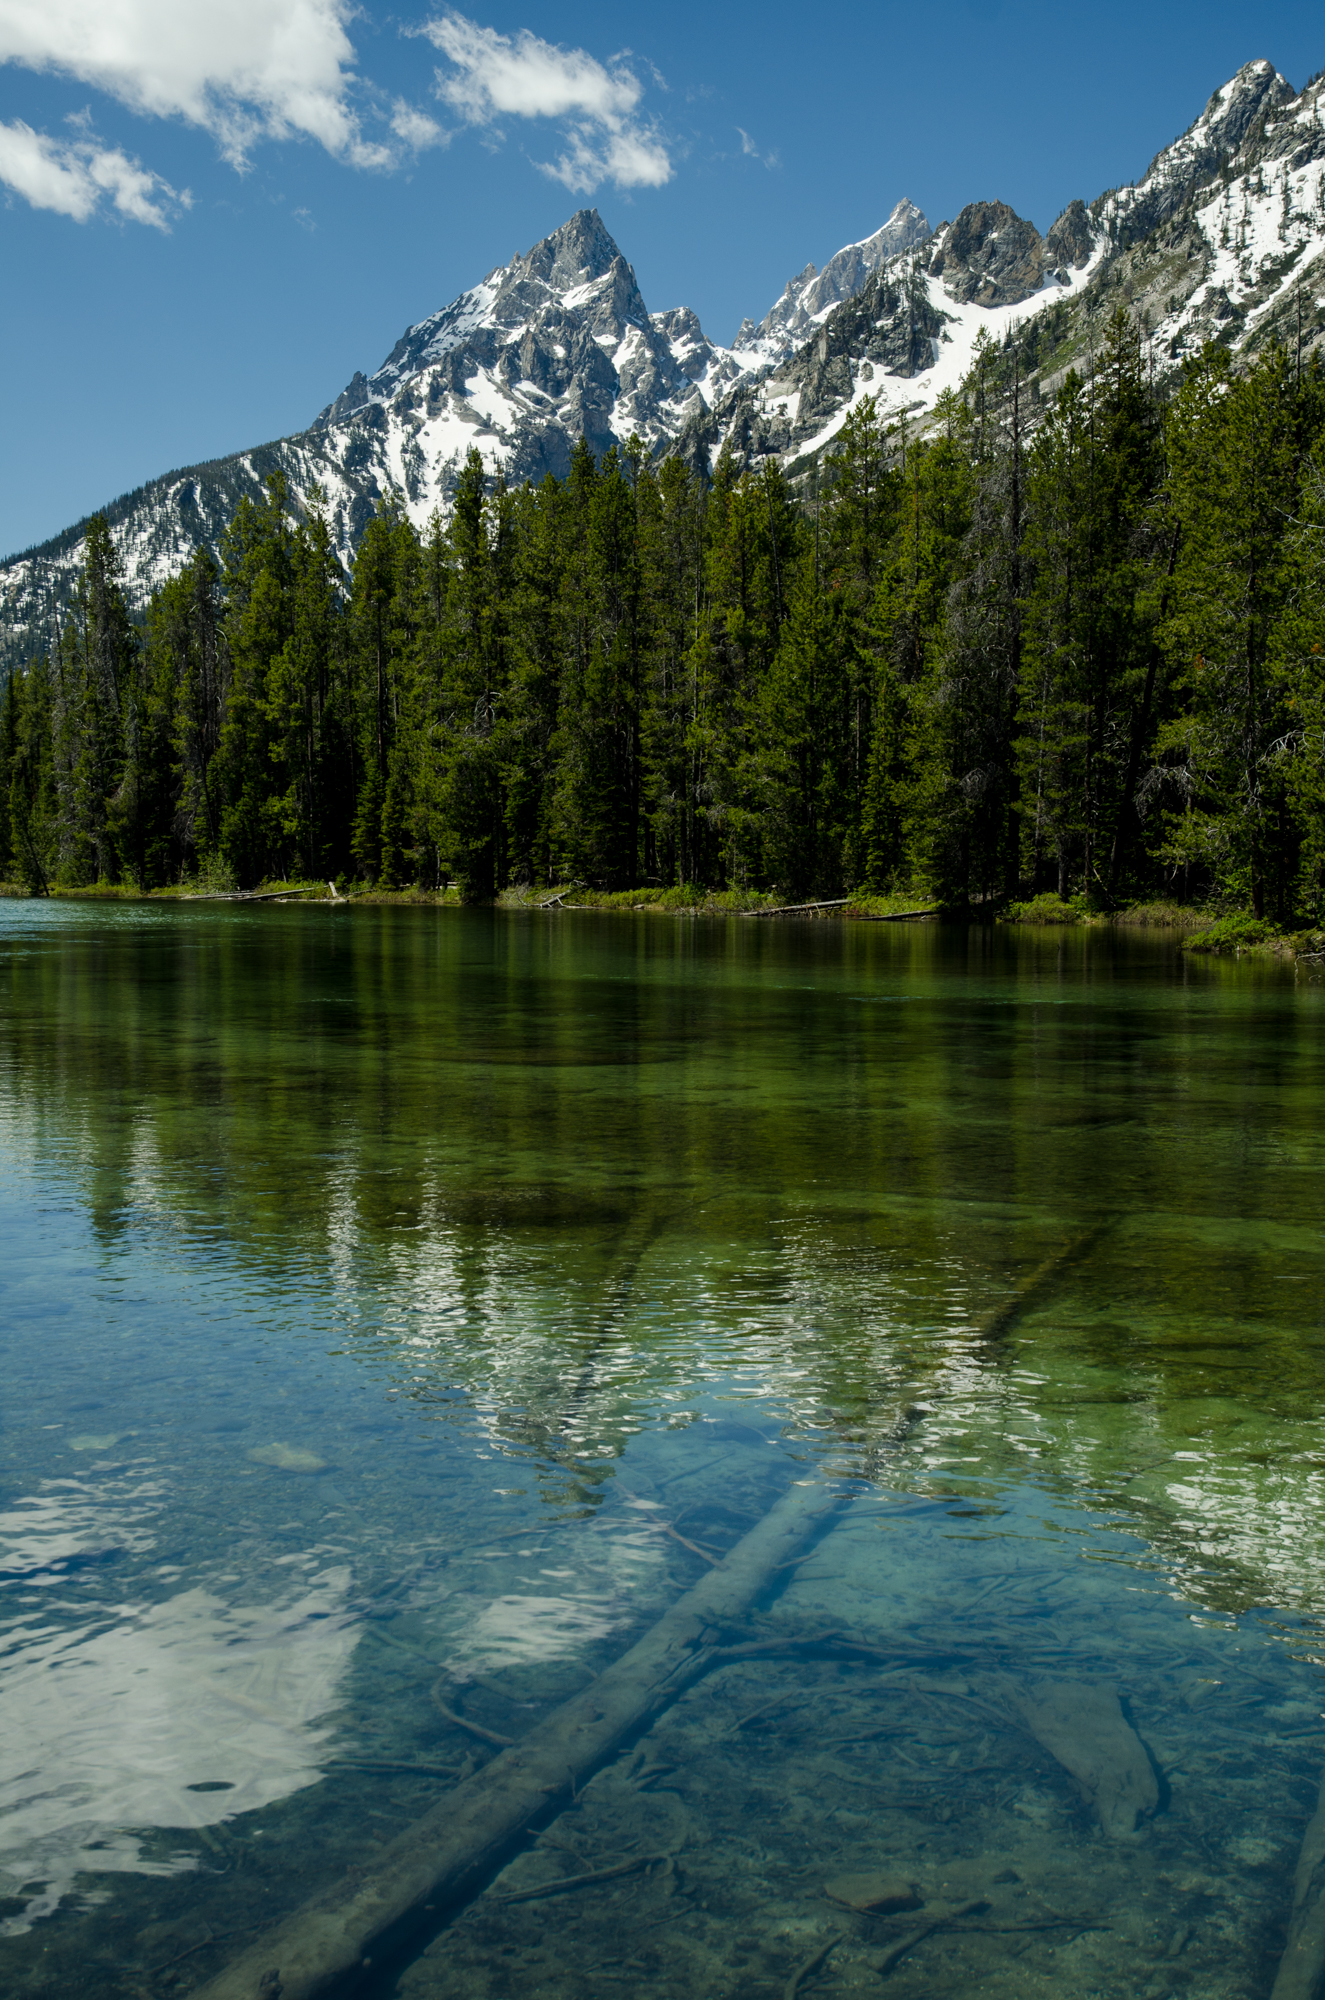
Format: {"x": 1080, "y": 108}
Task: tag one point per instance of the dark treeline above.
{"x": 979, "y": 662}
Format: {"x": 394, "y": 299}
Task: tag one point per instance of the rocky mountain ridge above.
{"x": 1222, "y": 238}
{"x": 812, "y": 294}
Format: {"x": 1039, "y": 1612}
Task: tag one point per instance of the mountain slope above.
{"x": 556, "y": 345}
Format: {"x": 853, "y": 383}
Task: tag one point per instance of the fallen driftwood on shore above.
{"x": 845, "y": 903}
{"x": 1084, "y": 1728}
{"x": 1301, "y": 1974}
{"x": 260, "y": 895}
{"x": 380, "y": 1906}
{"x": 795, "y": 909}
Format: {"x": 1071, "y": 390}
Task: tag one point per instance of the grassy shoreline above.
{"x": 683, "y": 900}
{"x": 1203, "y": 929}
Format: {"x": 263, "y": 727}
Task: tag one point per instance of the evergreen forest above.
{"x": 1082, "y": 655}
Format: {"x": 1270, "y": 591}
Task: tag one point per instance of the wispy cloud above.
{"x": 415, "y": 128}
{"x": 752, "y": 152}
{"x": 76, "y": 177}
{"x": 494, "y": 76}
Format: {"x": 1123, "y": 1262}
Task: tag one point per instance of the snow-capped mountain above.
{"x": 1222, "y": 238}
{"x": 556, "y": 345}
{"x": 553, "y": 346}
{"x": 1225, "y": 238}
{"x": 812, "y": 294}
{"x": 908, "y": 334}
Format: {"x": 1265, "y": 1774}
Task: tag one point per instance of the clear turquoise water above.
{"x": 386, "y": 1291}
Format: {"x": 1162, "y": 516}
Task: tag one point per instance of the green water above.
{"x": 395, "y": 1304}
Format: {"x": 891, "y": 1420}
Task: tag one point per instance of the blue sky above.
{"x": 214, "y": 211}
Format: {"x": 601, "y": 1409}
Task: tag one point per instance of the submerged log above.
{"x": 1041, "y": 1282}
{"x": 381, "y": 1907}
{"x": 1085, "y": 1729}
{"x": 1301, "y": 1973}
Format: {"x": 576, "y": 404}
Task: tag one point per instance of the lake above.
{"x": 405, "y": 1309}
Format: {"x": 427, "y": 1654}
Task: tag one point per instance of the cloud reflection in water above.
{"x": 112, "y": 1720}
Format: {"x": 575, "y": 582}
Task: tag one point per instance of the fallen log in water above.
{"x": 327, "y": 1945}
{"x": 1301, "y": 1973}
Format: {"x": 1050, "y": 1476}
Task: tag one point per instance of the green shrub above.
{"x": 1048, "y": 908}
{"x": 1236, "y": 934}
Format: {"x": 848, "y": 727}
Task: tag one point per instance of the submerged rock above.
{"x": 1085, "y": 1729}
{"x": 287, "y": 1458}
{"x": 873, "y": 1891}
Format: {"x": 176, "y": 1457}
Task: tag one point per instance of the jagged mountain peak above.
{"x": 812, "y": 293}
{"x": 578, "y": 267}
{"x": 1233, "y": 109}
{"x": 989, "y": 254}
{"x": 992, "y": 256}
{"x": 1197, "y": 155}
{"x": 580, "y": 251}
{"x": 555, "y": 345}
{"x": 1212, "y": 243}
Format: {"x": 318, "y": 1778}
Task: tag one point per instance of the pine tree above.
{"x": 258, "y": 562}
{"x": 384, "y": 614}
{"x": 1089, "y": 671}
{"x": 98, "y": 660}
{"x": 1297, "y": 659}
{"x": 670, "y": 529}
{"x": 9, "y": 724}
{"x": 905, "y": 633}
{"x": 33, "y": 803}
{"x": 308, "y": 723}
{"x": 753, "y": 545}
{"x": 474, "y": 673}
{"x": 806, "y": 742}
{"x": 184, "y": 642}
{"x": 1236, "y": 447}
{"x": 968, "y": 835}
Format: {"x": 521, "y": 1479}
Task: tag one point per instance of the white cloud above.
{"x": 415, "y": 127}
{"x": 72, "y": 176}
{"x": 496, "y": 76}
{"x": 240, "y": 69}
{"x": 630, "y": 159}
{"x": 248, "y": 70}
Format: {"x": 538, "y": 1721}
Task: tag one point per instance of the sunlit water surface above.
{"x": 397, "y": 1303}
